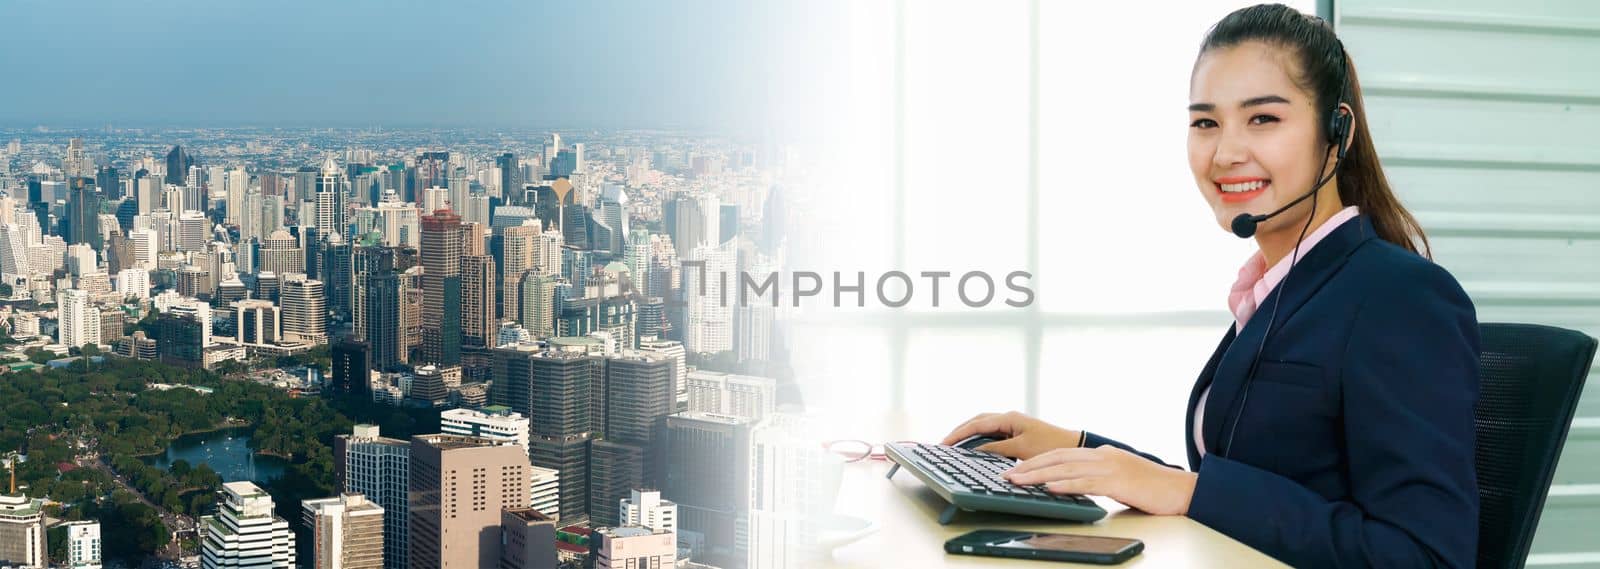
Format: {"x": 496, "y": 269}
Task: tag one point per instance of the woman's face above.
{"x": 1254, "y": 139}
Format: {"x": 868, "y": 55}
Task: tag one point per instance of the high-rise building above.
{"x": 236, "y": 184}
{"x": 178, "y": 164}
{"x": 708, "y": 319}
{"x": 615, "y": 469}
{"x": 672, "y": 350}
{"x": 627, "y": 546}
{"x": 546, "y": 496}
{"x": 496, "y": 422}
{"x": 76, "y": 163}
{"x": 330, "y": 190}
{"x": 83, "y": 544}
{"x": 458, "y": 487}
{"x": 517, "y": 248}
{"x": 352, "y": 368}
{"x": 147, "y": 193}
{"x": 556, "y": 391}
{"x": 538, "y": 300}
{"x": 428, "y": 386}
{"x": 637, "y": 397}
{"x": 257, "y": 322}
{"x": 145, "y": 246}
{"x": 305, "y": 318}
{"x": 83, "y": 213}
{"x": 380, "y": 317}
{"x": 708, "y": 478}
{"x": 379, "y": 468}
{"x": 182, "y": 339}
{"x": 784, "y": 494}
{"x": 281, "y": 253}
{"x": 22, "y": 536}
{"x": 441, "y": 288}
{"x": 245, "y": 532}
{"x": 335, "y": 267}
{"x": 529, "y": 538}
{"x": 194, "y": 231}
{"x": 478, "y": 323}
{"x": 745, "y": 396}
{"x": 346, "y": 532}
{"x": 78, "y": 321}
{"x": 510, "y": 173}
{"x": 646, "y": 509}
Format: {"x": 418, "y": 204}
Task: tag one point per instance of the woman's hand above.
{"x": 1111, "y": 472}
{"x": 1025, "y": 437}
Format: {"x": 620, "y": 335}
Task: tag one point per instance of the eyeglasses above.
{"x": 857, "y": 450}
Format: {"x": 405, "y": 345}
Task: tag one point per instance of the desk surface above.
{"x": 909, "y": 534}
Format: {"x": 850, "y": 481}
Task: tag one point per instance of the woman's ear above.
{"x": 1350, "y": 129}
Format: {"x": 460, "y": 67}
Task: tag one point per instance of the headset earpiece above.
{"x": 1339, "y": 130}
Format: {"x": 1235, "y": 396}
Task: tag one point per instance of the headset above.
{"x": 1244, "y": 226}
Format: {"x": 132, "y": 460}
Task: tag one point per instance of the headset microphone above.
{"x": 1245, "y": 224}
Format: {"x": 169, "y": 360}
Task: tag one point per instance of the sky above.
{"x": 701, "y": 64}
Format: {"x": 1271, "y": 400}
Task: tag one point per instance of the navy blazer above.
{"x": 1355, "y": 445}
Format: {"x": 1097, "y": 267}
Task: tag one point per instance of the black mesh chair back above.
{"x": 1531, "y": 377}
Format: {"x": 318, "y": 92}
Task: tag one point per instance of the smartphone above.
{"x": 1039, "y": 545}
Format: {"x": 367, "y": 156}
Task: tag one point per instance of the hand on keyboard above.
{"x": 1025, "y": 437}
{"x": 1112, "y": 472}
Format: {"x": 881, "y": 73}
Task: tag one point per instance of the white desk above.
{"x": 909, "y": 533}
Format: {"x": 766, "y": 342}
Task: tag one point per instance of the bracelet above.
{"x": 1083, "y": 436}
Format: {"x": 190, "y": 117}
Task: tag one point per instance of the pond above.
{"x": 227, "y": 451}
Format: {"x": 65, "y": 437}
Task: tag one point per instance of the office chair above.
{"x": 1530, "y": 380}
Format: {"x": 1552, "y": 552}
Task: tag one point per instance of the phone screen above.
{"x": 1074, "y": 543}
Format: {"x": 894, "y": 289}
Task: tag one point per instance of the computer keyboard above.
{"x": 970, "y": 480}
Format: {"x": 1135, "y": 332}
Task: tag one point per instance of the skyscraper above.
{"x": 707, "y": 478}
{"x": 330, "y": 190}
{"x": 555, "y": 390}
{"x": 517, "y": 244}
{"x": 335, "y": 268}
{"x": 178, "y": 163}
{"x": 378, "y": 468}
{"x": 244, "y": 532}
{"x": 22, "y": 538}
{"x": 83, "y": 213}
{"x": 708, "y": 318}
{"x": 638, "y": 395}
{"x": 381, "y": 314}
{"x": 281, "y": 253}
{"x": 194, "y": 231}
{"x": 478, "y": 323}
{"x": 346, "y": 532}
{"x": 305, "y": 317}
{"x": 510, "y": 173}
{"x": 458, "y": 487}
{"x": 441, "y": 286}
{"x": 78, "y": 321}
{"x": 236, "y": 184}
{"x": 537, "y": 298}
{"x": 352, "y": 365}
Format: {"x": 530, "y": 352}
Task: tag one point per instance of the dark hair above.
{"x": 1320, "y": 56}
